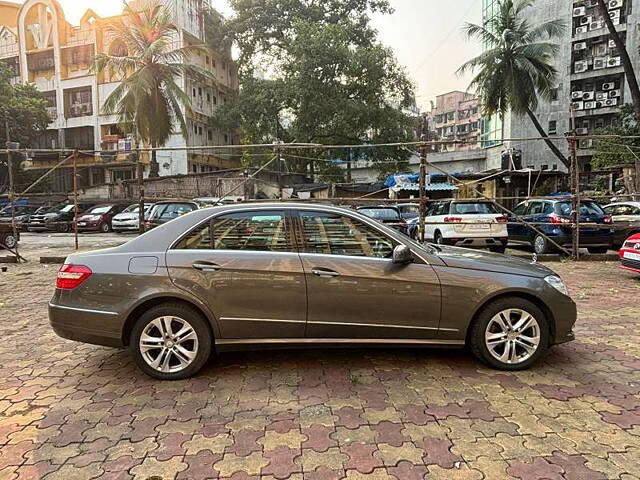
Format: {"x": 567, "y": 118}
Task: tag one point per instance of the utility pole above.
{"x": 140, "y": 175}
{"x": 349, "y": 165}
{"x": 422, "y": 180}
{"x": 9, "y": 145}
{"x": 75, "y": 198}
{"x": 575, "y": 188}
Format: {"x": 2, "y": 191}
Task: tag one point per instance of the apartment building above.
{"x": 455, "y": 117}
{"x": 590, "y": 79}
{"x": 44, "y": 49}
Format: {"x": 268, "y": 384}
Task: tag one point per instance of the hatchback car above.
{"x": 464, "y": 223}
{"x": 98, "y": 218}
{"x": 163, "y": 212}
{"x": 241, "y": 277}
{"x": 389, "y": 215}
{"x": 551, "y": 218}
{"x": 129, "y": 219}
{"x": 626, "y": 220}
{"x": 630, "y": 254}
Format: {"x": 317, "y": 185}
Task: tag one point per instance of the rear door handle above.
{"x": 206, "y": 266}
{"x": 320, "y": 272}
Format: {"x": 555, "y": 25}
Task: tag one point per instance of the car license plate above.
{"x": 631, "y": 255}
{"x": 479, "y": 226}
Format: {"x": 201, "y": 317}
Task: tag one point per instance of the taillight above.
{"x": 558, "y": 219}
{"x": 501, "y": 219}
{"x": 608, "y": 219}
{"x": 452, "y": 219}
{"x": 70, "y": 276}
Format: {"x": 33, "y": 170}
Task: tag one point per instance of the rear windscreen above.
{"x": 473, "y": 208}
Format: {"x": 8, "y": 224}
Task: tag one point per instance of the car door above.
{"x": 517, "y": 230}
{"x": 244, "y": 267}
{"x": 354, "y": 290}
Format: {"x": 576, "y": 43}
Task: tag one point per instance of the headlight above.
{"x": 557, "y": 283}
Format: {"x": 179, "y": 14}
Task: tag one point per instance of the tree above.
{"x": 24, "y": 112}
{"x": 315, "y": 72}
{"x": 148, "y": 101}
{"x": 624, "y": 57}
{"x": 619, "y": 151}
{"x": 515, "y": 67}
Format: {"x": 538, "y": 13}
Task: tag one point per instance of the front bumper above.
{"x": 98, "y": 327}
{"x": 119, "y": 226}
{"x": 565, "y": 314}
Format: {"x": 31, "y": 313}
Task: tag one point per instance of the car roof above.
{"x": 635, "y": 204}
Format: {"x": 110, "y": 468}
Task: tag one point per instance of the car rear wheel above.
{"x": 171, "y": 341}
{"x": 541, "y": 245}
{"x": 509, "y": 334}
{"x": 438, "y": 238}
{"x": 63, "y": 227}
{"x": 104, "y": 228}
{"x": 9, "y": 241}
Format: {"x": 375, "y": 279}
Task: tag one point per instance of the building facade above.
{"x": 455, "y": 117}
{"x": 44, "y": 49}
{"x": 590, "y": 82}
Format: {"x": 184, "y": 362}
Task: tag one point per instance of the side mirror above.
{"x": 402, "y": 254}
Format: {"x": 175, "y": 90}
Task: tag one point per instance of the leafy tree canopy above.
{"x": 316, "y": 72}
{"x": 618, "y": 151}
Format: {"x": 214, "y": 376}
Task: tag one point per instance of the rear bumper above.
{"x": 85, "y": 325}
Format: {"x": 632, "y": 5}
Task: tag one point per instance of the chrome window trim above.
{"x": 83, "y": 310}
{"x": 293, "y": 341}
{"x": 266, "y": 320}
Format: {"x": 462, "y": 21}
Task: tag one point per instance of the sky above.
{"x": 426, "y": 36}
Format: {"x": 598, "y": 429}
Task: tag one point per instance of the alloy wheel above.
{"x": 539, "y": 244}
{"x": 10, "y": 241}
{"x": 512, "y": 336}
{"x": 168, "y": 344}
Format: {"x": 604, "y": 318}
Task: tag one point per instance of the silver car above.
{"x": 249, "y": 276}
{"x": 129, "y": 219}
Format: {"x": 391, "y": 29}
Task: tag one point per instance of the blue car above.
{"x": 554, "y": 217}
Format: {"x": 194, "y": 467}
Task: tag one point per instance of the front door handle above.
{"x": 206, "y": 266}
{"x": 323, "y": 273}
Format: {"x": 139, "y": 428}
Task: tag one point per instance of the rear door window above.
{"x": 586, "y": 208}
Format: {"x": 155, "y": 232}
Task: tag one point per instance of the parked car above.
{"x": 57, "y": 218}
{"x": 22, "y": 215}
{"x": 163, "y": 212}
{"x": 387, "y": 214}
{"x": 248, "y": 276}
{"x": 98, "y": 218}
{"x": 465, "y": 223}
{"x": 553, "y": 216}
{"x": 630, "y": 254}
{"x": 7, "y": 238}
{"x": 626, "y": 220}
{"x": 409, "y": 210}
{"x": 129, "y": 219}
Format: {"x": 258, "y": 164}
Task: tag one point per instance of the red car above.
{"x": 630, "y": 254}
{"x": 98, "y": 218}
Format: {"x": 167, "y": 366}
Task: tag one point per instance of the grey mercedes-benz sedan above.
{"x": 282, "y": 274}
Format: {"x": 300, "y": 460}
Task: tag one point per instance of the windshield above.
{"x": 410, "y": 208}
{"x": 586, "y": 208}
{"x": 381, "y": 213}
{"x": 66, "y": 208}
{"x": 171, "y": 210}
{"x": 99, "y": 210}
{"x": 474, "y": 208}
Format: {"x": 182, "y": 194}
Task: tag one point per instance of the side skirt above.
{"x": 287, "y": 343}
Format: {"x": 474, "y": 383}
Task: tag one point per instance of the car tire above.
{"x": 438, "y": 238}
{"x": 63, "y": 227}
{"x": 541, "y": 245}
{"x": 182, "y": 316}
{"x": 105, "y": 228}
{"x": 9, "y": 241}
{"x": 598, "y": 249}
{"x": 487, "y": 322}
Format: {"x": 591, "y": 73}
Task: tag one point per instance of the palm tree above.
{"x": 148, "y": 101}
{"x": 515, "y": 67}
{"x": 629, "y": 72}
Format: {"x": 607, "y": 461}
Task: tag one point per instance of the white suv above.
{"x": 465, "y": 223}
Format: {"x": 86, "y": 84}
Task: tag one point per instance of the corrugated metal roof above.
{"x": 432, "y": 187}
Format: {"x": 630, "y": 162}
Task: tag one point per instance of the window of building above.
{"x": 333, "y": 234}
{"x": 226, "y": 138}
{"x": 215, "y": 100}
{"x": 544, "y": 167}
{"x": 78, "y": 102}
{"x": 208, "y": 59}
{"x": 194, "y": 168}
{"x": 552, "y": 127}
{"x": 208, "y": 97}
{"x": 554, "y": 166}
{"x": 195, "y": 129}
{"x": 199, "y": 91}
{"x": 199, "y": 130}
{"x": 194, "y": 91}
{"x": 210, "y": 135}
{"x": 554, "y": 94}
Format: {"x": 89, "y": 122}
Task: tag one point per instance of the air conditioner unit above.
{"x": 582, "y": 66}
{"x": 614, "y": 13}
{"x": 613, "y": 62}
{"x": 577, "y": 105}
{"x": 608, "y": 86}
{"x": 584, "y": 144}
{"x": 586, "y": 20}
{"x": 615, "y": 4}
{"x": 577, "y": 95}
{"x": 588, "y": 95}
{"x": 589, "y": 105}
{"x": 599, "y": 63}
{"x": 610, "y": 102}
{"x": 601, "y": 95}
{"x": 579, "y": 46}
{"x": 614, "y": 93}
{"x": 595, "y": 25}
{"x": 583, "y": 29}
{"x": 582, "y": 131}
{"x": 579, "y": 11}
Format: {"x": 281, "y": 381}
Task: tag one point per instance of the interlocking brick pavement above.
{"x": 69, "y": 410}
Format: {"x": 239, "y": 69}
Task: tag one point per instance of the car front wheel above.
{"x": 104, "y": 228}
{"x": 509, "y": 334}
{"x": 171, "y": 341}
{"x": 9, "y": 241}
